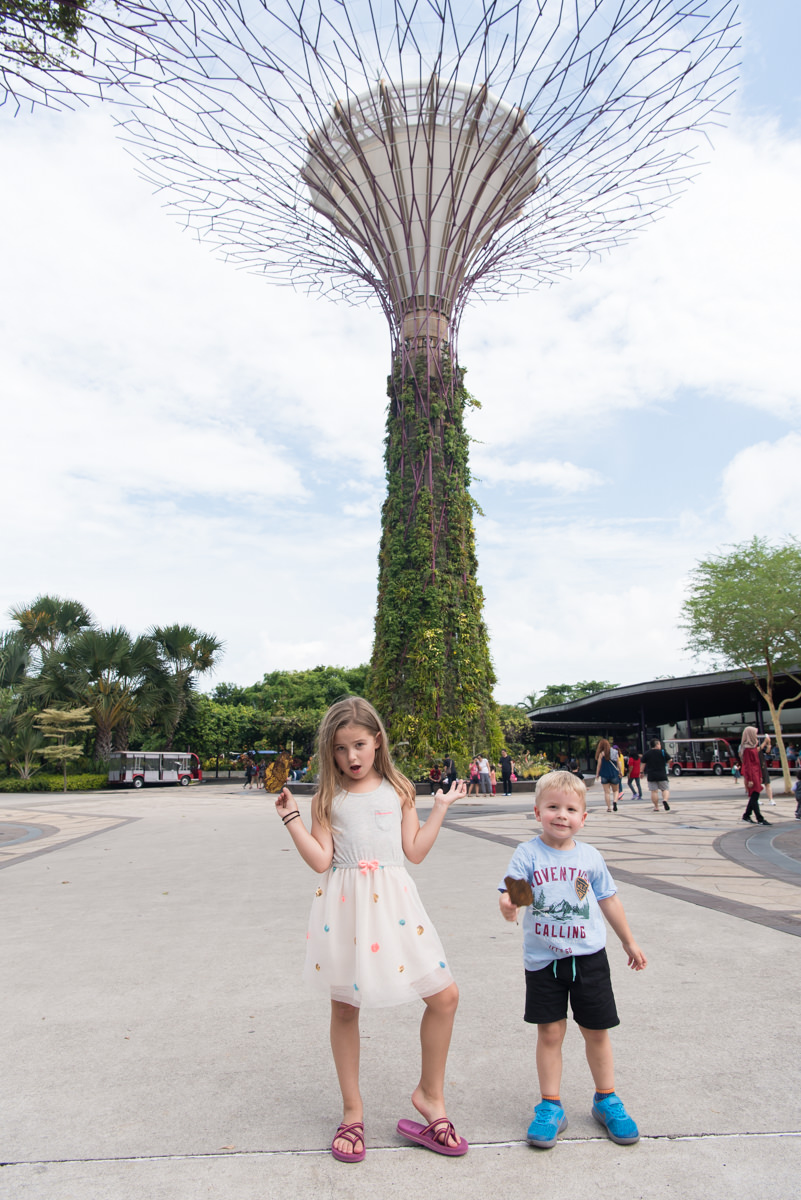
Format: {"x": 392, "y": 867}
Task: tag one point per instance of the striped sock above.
{"x": 603, "y": 1095}
{"x": 553, "y": 1100}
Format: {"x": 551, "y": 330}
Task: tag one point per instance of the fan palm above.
{"x": 14, "y": 659}
{"x": 184, "y": 653}
{"x": 107, "y": 671}
{"x": 49, "y": 622}
{"x": 20, "y": 748}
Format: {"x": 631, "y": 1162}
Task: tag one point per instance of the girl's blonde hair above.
{"x": 353, "y": 710}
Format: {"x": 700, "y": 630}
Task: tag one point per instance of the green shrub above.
{"x": 531, "y": 766}
{"x": 55, "y": 783}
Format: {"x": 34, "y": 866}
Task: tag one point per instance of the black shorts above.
{"x": 591, "y": 997}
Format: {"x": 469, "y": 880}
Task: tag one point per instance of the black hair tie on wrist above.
{"x": 291, "y": 817}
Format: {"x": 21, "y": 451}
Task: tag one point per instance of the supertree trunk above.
{"x": 431, "y": 675}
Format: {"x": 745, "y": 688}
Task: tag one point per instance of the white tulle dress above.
{"x": 370, "y": 942}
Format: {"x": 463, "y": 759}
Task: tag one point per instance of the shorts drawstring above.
{"x": 572, "y": 960}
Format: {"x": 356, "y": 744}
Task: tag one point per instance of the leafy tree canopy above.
{"x": 63, "y": 19}
{"x": 744, "y": 607}
{"x": 56, "y": 52}
{"x": 563, "y": 693}
{"x": 288, "y": 691}
{"x": 40, "y": 33}
{"x": 744, "y": 610}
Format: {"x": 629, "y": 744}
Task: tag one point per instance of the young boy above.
{"x": 564, "y": 936}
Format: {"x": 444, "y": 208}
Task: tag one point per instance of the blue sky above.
{"x": 187, "y": 443}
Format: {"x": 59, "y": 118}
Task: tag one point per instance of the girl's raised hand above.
{"x": 285, "y": 803}
{"x": 457, "y": 791}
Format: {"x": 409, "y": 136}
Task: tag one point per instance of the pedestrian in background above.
{"x": 474, "y": 778}
{"x": 620, "y": 762}
{"x": 655, "y": 762}
{"x": 764, "y": 760}
{"x": 607, "y": 772}
{"x": 635, "y": 767}
{"x": 507, "y": 770}
{"x": 752, "y": 774}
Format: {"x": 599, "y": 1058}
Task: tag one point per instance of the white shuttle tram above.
{"x": 135, "y": 768}
{"x": 701, "y": 756}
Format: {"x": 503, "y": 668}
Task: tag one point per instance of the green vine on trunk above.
{"x": 431, "y": 675}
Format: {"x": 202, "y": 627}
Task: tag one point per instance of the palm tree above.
{"x": 14, "y": 659}
{"x": 107, "y": 671}
{"x": 20, "y": 748}
{"x": 49, "y": 622}
{"x": 184, "y": 653}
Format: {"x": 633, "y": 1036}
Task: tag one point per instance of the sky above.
{"x": 183, "y": 442}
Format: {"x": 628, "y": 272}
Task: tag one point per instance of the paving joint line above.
{"x": 325, "y": 1151}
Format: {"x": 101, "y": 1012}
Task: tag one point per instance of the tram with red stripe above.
{"x": 701, "y": 756}
{"x": 135, "y": 768}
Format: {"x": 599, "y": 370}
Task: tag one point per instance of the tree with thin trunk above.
{"x": 60, "y": 726}
{"x": 744, "y": 610}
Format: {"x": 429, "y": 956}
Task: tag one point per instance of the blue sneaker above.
{"x": 610, "y": 1113}
{"x": 549, "y": 1121}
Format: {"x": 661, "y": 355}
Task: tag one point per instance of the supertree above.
{"x": 416, "y": 154}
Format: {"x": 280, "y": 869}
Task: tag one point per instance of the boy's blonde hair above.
{"x": 561, "y": 781}
{"x": 353, "y": 710}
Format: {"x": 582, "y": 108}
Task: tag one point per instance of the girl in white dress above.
{"x": 370, "y": 941}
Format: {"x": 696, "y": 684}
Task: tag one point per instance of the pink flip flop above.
{"x": 352, "y": 1134}
{"x": 434, "y": 1136}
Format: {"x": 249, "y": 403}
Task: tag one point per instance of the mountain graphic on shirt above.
{"x": 562, "y": 910}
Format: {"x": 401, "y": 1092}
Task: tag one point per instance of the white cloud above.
{"x": 548, "y": 473}
{"x": 761, "y": 489}
{"x": 705, "y": 299}
{"x": 586, "y": 600}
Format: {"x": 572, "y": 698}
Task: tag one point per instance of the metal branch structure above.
{"x": 417, "y": 154}
{"x": 60, "y": 53}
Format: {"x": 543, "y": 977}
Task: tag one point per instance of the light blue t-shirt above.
{"x": 564, "y": 919}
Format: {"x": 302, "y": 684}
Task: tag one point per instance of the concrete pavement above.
{"x": 159, "y": 1042}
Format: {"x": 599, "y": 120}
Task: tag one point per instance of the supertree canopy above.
{"x": 417, "y": 153}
